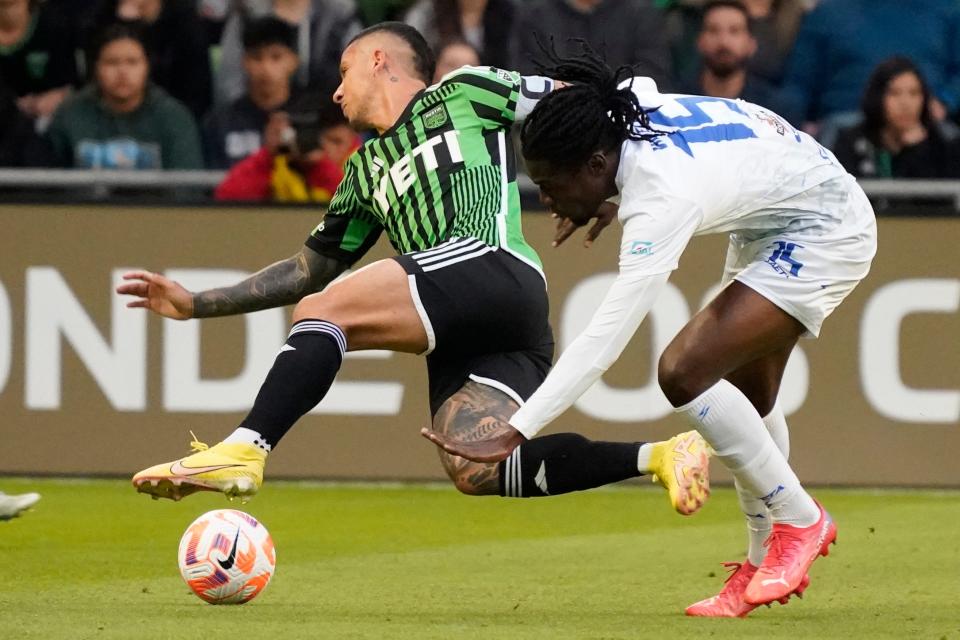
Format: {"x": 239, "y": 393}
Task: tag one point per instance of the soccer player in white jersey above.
{"x": 802, "y": 235}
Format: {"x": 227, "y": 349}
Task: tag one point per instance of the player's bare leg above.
{"x": 560, "y": 463}
{"x": 369, "y": 309}
{"x": 738, "y": 327}
{"x": 760, "y": 379}
{"x": 373, "y": 308}
{"x": 475, "y": 412}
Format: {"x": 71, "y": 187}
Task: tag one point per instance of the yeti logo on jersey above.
{"x": 784, "y": 253}
{"x": 641, "y": 248}
{"x": 436, "y": 117}
{"x": 403, "y": 173}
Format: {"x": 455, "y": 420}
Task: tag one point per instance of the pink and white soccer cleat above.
{"x": 791, "y": 551}
{"x": 729, "y": 602}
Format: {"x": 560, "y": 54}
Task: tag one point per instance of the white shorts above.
{"x": 805, "y": 273}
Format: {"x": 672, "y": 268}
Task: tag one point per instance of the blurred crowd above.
{"x": 246, "y": 85}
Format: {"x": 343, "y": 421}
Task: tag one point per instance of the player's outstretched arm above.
{"x": 282, "y": 283}
{"x": 492, "y": 450}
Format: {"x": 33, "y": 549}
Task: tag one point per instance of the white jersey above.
{"x": 724, "y": 165}
{"x": 718, "y": 166}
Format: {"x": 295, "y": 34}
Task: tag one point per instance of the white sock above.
{"x": 247, "y": 436}
{"x": 758, "y": 524}
{"x": 754, "y": 511}
{"x": 776, "y": 424}
{"x": 727, "y": 420}
{"x": 643, "y": 457}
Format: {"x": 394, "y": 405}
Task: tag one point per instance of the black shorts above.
{"x": 486, "y": 316}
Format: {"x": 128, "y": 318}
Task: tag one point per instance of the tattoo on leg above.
{"x": 475, "y": 412}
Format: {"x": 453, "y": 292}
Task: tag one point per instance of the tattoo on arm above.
{"x": 475, "y": 412}
{"x": 282, "y": 283}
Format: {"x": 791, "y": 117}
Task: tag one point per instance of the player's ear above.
{"x": 379, "y": 59}
{"x": 597, "y": 163}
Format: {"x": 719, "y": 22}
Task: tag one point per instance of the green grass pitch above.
{"x": 96, "y": 560}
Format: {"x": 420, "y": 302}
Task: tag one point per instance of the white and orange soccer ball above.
{"x": 227, "y": 557}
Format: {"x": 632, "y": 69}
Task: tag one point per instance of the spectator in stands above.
{"x": 37, "y": 61}
{"x": 774, "y": 24}
{"x": 842, "y": 41}
{"x": 176, "y": 46}
{"x": 213, "y": 16}
{"x": 234, "y": 131}
{"x": 485, "y": 24}
{"x": 293, "y": 167}
{"x": 726, "y": 45}
{"x": 20, "y": 145}
{"x": 454, "y": 54}
{"x": 898, "y": 137}
{"x": 120, "y": 120}
{"x": 627, "y": 31}
{"x": 323, "y": 29}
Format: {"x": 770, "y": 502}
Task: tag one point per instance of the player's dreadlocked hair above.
{"x": 592, "y": 113}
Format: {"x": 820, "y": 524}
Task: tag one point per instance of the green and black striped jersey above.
{"x": 445, "y": 170}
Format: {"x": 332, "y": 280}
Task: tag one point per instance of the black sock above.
{"x": 565, "y": 462}
{"x": 299, "y": 379}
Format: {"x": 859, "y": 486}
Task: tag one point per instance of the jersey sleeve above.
{"x": 657, "y": 221}
{"x": 649, "y": 251}
{"x": 497, "y": 96}
{"x": 348, "y": 230}
{"x": 592, "y": 352}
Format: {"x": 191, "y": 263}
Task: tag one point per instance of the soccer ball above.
{"x": 226, "y": 557}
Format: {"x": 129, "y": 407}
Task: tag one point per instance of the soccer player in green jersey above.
{"x": 467, "y": 291}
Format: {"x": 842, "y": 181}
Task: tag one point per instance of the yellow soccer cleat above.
{"x": 682, "y": 466}
{"x": 234, "y": 469}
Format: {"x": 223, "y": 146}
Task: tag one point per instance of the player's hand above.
{"x": 158, "y": 294}
{"x": 493, "y": 450}
{"x": 565, "y": 227}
